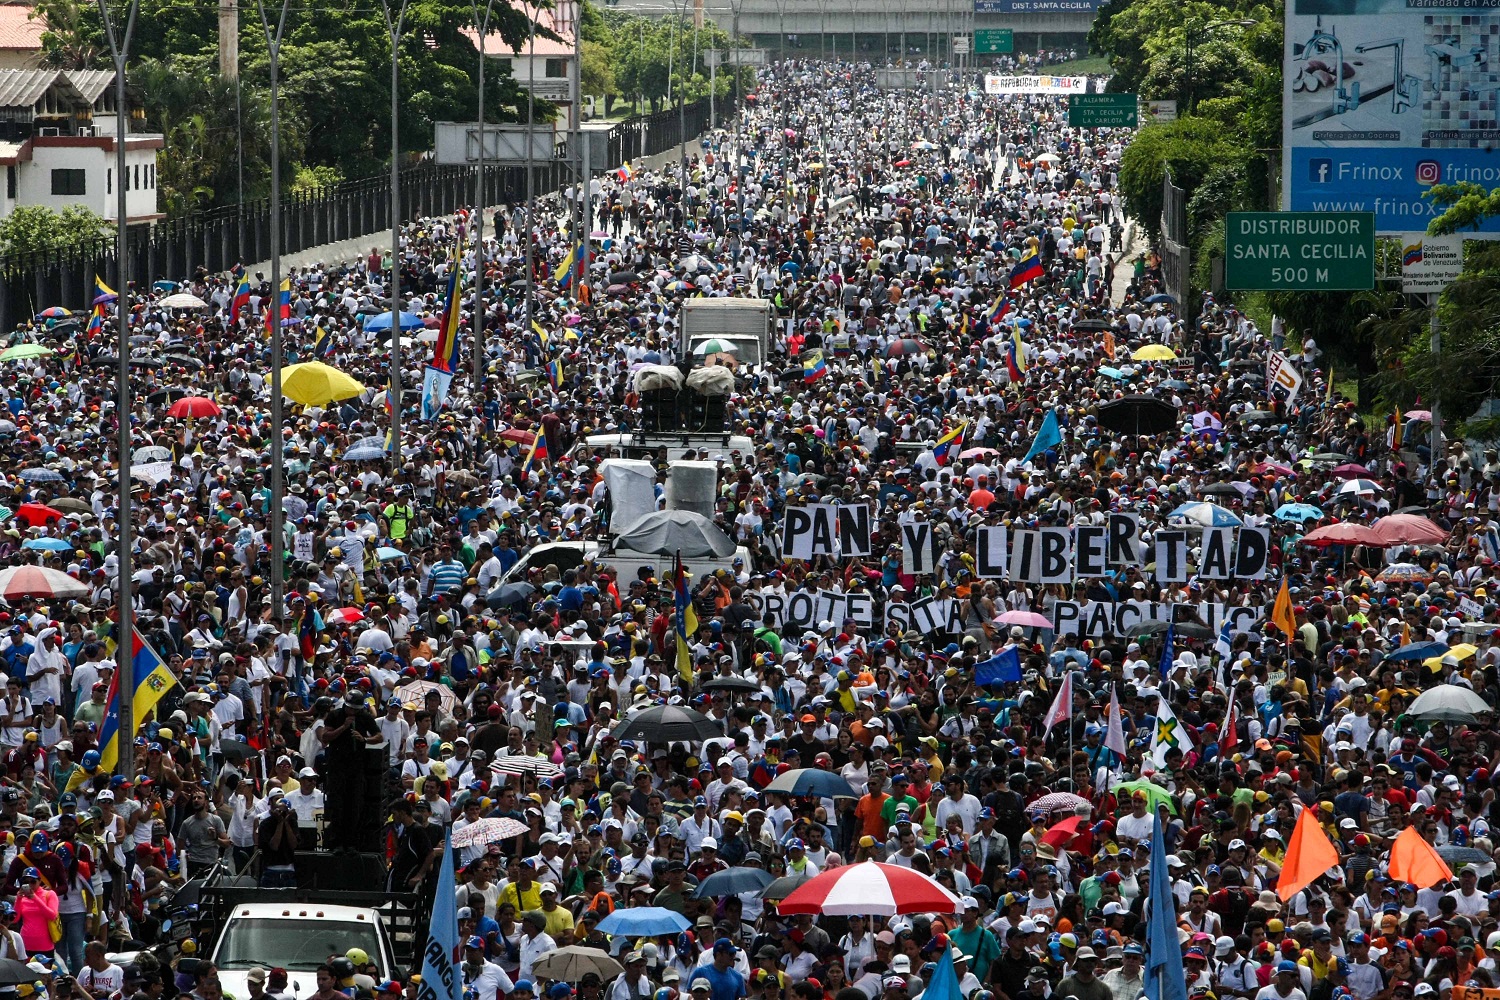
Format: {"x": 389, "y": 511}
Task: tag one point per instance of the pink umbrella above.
{"x": 1027, "y": 619}
{"x": 870, "y": 889}
{"x": 1342, "y": 533}
{"x": 1408, "y": 529}
{"x": 1276, "y": 467}
{"x": 972, "y": 453}
{"x": 1417, "y": 415}
{"x": 1351, "y": 471}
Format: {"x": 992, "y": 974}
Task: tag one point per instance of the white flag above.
{"x": 1169, "y": 733}
{"x": 1114, "y": 726}
{"x": 1281, "y": 372}
{"x": 1062, "y": 705}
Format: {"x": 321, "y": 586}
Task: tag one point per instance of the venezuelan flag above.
{"x": 1028, "y": 269}
{"x": 537, "y": 455}
{"x": 96, "y": 321}
{"x": 1012, "y": 364}
{"x": 152, "y": 681}
{"x": 324, "y": 342}
{"x": 102, "y": 292}
{"x": 1018, "y": 348}
{"x": 813, "y": 366}
{"x": 308, "y": 631}
{"x": 241, "y": 298}
{"x": 625, "y": 173}
{"x": 567, "y": 266}
{"x": 554, "y": 371}
{"x": 999, "y": 310}
{"x": 684, "y": 618}
{"x": 948, "y": 446}
{"x": 445, "y": 351}
{"x": 285, "y": 300}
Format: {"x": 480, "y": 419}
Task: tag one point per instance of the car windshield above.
{"x": 291, "y": 944}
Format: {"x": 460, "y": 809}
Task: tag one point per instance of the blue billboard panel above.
{"x": 1036, "y": 6}
{"x": 1390, "y": 182}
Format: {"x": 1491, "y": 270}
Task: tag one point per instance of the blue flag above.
{"x": 1050, "y": 436}
{"x": 1004, "y": 667}
{"x": 440, "y": 976}
{"x": 944, "y": 982}
{"x": 1168, "y": 653}
{"x": 1162, "y": 977}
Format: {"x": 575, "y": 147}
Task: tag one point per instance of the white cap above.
{"x": 710, "y": 842}
{"x": 1028, "y": 927}
{"x": 969, "y": 902}
{"x": 1235, "y": 845}
{"x": 1223, "y": 946}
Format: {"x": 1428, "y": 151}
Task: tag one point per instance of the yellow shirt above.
{"x": 531, "y": 899}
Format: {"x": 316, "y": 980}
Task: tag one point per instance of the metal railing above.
{"x": 216, "y": 240}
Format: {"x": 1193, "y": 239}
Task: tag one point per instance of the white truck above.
{"x": 745, "y": 324}
{"x": 297, "y": 937}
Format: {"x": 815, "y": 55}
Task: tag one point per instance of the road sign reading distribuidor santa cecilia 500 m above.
{"x": 1300, "y": 251}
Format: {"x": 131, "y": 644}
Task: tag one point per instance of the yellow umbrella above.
{"x": 313, "y": 383}
{"x": 1154, "y": 352}
{"x": 1461, "y": 652}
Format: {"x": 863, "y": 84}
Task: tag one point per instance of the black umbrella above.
{"x": 1095, "y": 325}
{"x": 623, "y": 277}
{"x": 510, "y": 593}
{"x": 234, "y": 751}
{"x": 1415, "y": 508}
{"x": 669, "y": 723}
{"x": 1330, "y": 458}
{"x": 1138, "y": 414}
{"x": 1219, "y": 490}
{"x": 14, "y": 973}
{"x": 1251, "y": 416}
{"x": 731, "y": 684}
{"x": 109, "y": 361}
{"x": 170, "y": 393}
{"x": 782, "y": 887}
{"x": 1191, "y": 630}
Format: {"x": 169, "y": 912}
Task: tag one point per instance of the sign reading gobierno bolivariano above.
{"x": 1299, "y": 251}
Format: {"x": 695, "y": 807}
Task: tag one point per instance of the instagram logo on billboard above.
{"x": 1429, "y": 172}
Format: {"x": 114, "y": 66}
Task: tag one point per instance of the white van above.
{"x": 297, "y": 937}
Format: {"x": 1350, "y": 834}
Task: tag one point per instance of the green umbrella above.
{"x": 716, "y": 347}
{"x": 1156, "y": 796}
{"x": 21, "y": 351}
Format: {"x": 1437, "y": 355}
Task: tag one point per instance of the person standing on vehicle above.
{"x": 347, "y": 731}
{"x": 415, "y": 851}
{"x": 203, "y": 835}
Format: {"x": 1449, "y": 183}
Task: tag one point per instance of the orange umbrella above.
{"x": 1414, "y": 860}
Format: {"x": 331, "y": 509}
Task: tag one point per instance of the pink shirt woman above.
{"x": 36, "y": 905}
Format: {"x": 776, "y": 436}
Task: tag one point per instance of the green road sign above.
{"x": 1103, "y": 110}
{"x": 1300, "y": 251}
{"x": 989, "y": 41}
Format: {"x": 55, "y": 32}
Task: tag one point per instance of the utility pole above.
{"x": 395, "y": 26}
{"x": 274, "y": 524}
{"x": 575, "y": 144}
{"x": 1435, "y": 345}
{"x": 119, "y": 51}
{"x": 530, "y": 166}
{"x": 483, "y": 23}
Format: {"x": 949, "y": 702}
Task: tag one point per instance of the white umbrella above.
{"x": 153, "y": 472}
{"x": 184, "y": 300}
{"x": 1049, "y": 158}
{"x": 1448, "y": 703}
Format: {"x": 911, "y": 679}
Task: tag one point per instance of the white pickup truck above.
{"x": 297, "y": 937}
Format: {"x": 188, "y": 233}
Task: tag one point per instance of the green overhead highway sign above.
{"x": 992, "y": 41}
{"x": 1300, "y": 251}
{"x": 1103, "y": 110}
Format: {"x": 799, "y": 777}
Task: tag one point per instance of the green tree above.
{"x": 1192, "y": 148}
{"x": 33, "y": 228}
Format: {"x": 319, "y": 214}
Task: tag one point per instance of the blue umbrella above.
{"x": 41, "y": 476}
{"x": 382, "y": 321}
{"x": 48, "y": 544}
{"x": 811, "y": 781}
{"x": 364, "y": 453}
{"x": 1111, "y": 372}
{"x": 1418, "y": 651}
{"x": 732, "y": 882}
{"x": 1209, "y": 515}
{"x": 1298, "y": 512}
{"x": 644, "y": 921}
{"x": 1160, "y": 297}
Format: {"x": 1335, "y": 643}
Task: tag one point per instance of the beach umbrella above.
{"x": 869, "y": 889}
{"x": 1154, "y": 352}
{"x": 811, "y": 781}
{"x": 312, "y": 383}
{"x": 39, "y": 581}
{"x": 194, "y": 406}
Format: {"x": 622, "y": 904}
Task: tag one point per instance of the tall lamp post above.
{"x": 119, "y": 51}
{"x": 395, "y": 27}
{"x": 275, "y": 529}
{"x": 483, "y": 24}
{"x": 1192, "y": 35}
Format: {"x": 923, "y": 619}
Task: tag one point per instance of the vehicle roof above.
{"x": 305, "y": 911}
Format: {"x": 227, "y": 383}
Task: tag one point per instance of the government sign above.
{"x": 1300, "y": 251}
{"x": 1103, "y": 110}
{"x": 989, "y": 41}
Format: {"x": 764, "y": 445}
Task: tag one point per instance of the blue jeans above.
{"x": 75, "y": 934}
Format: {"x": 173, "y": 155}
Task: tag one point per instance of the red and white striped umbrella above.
{"x": 39, "y": 581}
{"x": 869, "y": 889}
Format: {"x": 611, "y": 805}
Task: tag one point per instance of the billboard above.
{"x": 1036, "y": 6}
{"x": 1383, "y": 99}
{"x": 995, "y": 83}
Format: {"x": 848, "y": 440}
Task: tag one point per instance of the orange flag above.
{"x": 1109, "y": 344}
{"x": 1281, "y": 613}
{"x": 1414, "y": 860}
{"x": 1309, "y": 855}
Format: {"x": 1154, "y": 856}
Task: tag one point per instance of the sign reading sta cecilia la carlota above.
{"x": 1103, "y": 110}
{"x": 1300, "y": 251}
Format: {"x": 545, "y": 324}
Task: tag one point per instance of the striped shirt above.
{"x": 446, "y": 576}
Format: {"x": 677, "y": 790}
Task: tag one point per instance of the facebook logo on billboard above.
{"x": 1320, "y": 170}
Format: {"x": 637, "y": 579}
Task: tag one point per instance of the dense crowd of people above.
{"x": 963, "y": 271}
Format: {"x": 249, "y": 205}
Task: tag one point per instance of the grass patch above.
{"x": 1088, "y": 66}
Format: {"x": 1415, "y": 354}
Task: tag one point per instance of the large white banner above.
{"x": 997, "y": 84}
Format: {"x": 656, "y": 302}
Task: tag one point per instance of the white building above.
{"x": 57, "y": 145}
{"x": 542, "y": 65}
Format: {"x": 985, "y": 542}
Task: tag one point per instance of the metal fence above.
{"x": 219, "y": 239}
{"x": 1176, "y": 263}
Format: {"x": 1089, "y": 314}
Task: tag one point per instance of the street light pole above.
{"x": 274, "y": 525}
{"x": 478, "y": 326}
{"x": 395, "y": 26}
{"x": 530, "y": 166}
{"x": 119, "y": 50}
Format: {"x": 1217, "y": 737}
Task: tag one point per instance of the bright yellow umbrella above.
{"x": 313, "y": 383}
{"x": 1461, "y": 652}
{"x": 1154, "y": 352}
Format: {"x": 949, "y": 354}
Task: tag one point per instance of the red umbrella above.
{"x": 33, "y": 514}
{"x": 870, "y": 888}
{"x": 1342, "y": 533}
{"x": 194, "y": 406}
{"x": 1351, "y": 471}
{"x": 344, "y": 616}
{"x": 39, "y": 581}
{"x": 1408, "y": 529}
{"x": 1058, "y": 836}
{"x": 518, "y": 436}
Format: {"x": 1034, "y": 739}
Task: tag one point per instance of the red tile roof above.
{"x": 18, "y": 30}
